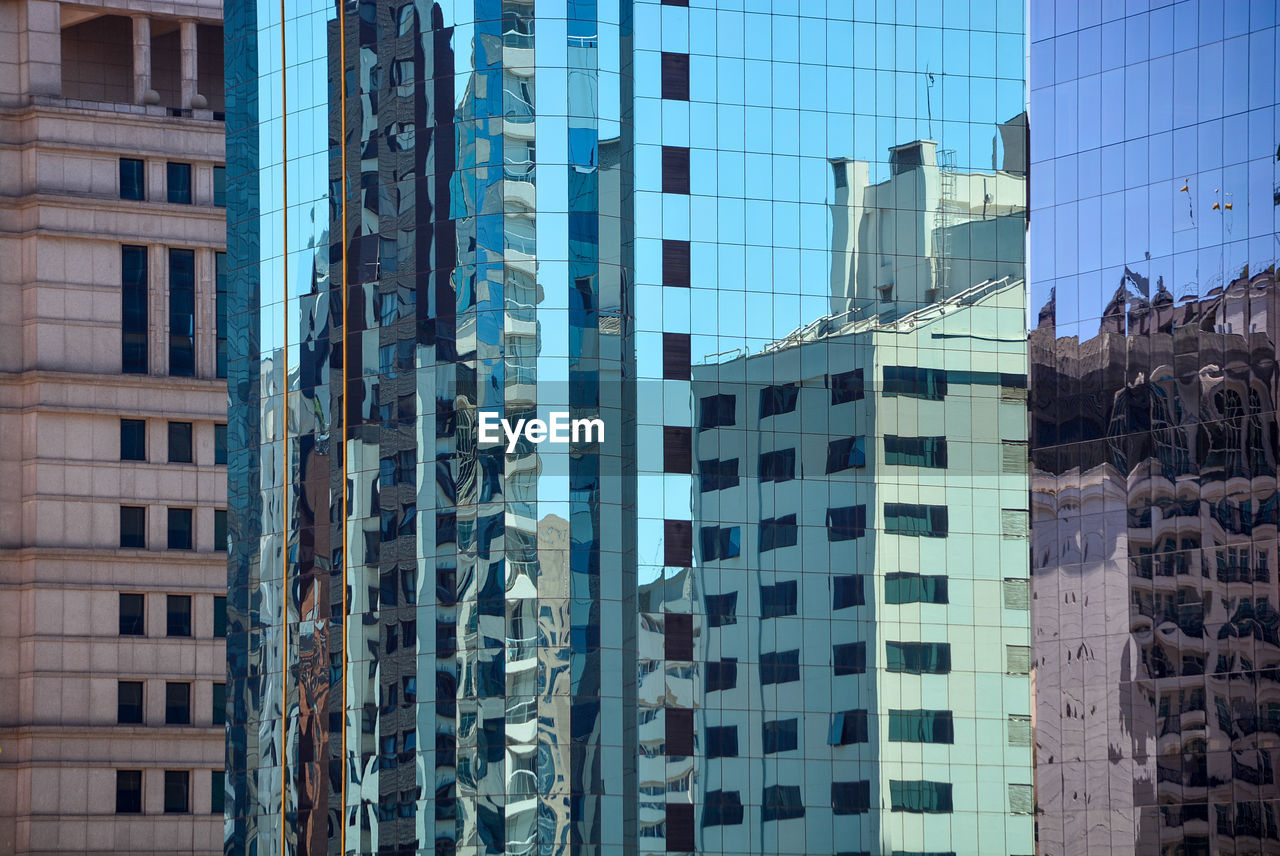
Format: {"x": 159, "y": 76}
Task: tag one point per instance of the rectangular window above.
{"x": 133, "y": 527}
{"x": 177, "y": 703}
{"x": 675, "y": 76}
{"x": 920, "y": 797}
{"x": 722, "y": 674}
{"x": 221, "y": 299}
{"x": 717, "y": 475}
{"x": 722, "y": 808}
{"x": 722, "y": 609}
{"x": 180, "y": 443}
{"x": 220, "y": 529}
{"x": 716, "y": 411}
{"x": 915, "y": 588}
{"x": 220, "y": 443}
{"x": 720, "y": 542}
{"x": 128, "y": 791}
{"x": 1019, "y": 730}
{"x": 781, "y": 802}
{"x": 133, "y": 179}
{"x": 918, "y": 658}
{"x": 129, "y": 702}
{"x": 676, "y": 356}
{"x": 915, "y": 451}
{"x": 675, "y": 170}
{"x": 848, "y": 727}
{"x": 676, "y": 263}
{"x": 781, "y": 735}
{"x": 722, "y": 741}
{"x": 846, "y": 386}
{"x": 780, "y": 667}
{"x": 778, "y": 466}
{"x": 915, "y": 382}
{"x": 1014, "y": 523}
{"x": 677, "y": 449}
{"x": 133, "y": 309}
{"x": 220, "y": 186}
{"x": 776, "y": 532}
{"x": 218, "y": 715}
{"x": 1014, "y": 457}
{"x": 680, "y": 826}
{"x": 677, "y": 543}
{"x": 177, "y": 791}
{"x": 846, "y": 453}
{"x": 1017, "y": 594}
{"x": 220, "y": 617}
{"x": 847, "y": 523}
{"x": 178, "y": 615}
{"x": 679, "y": 731}
{"x": 849, "y": 658}
{"x": 851, "y": 797}
{"x": 1021, "y": 799}
{"x": 848, "y": 591}
{"x": 778, "y": 399}
{"x": 677, "y": 636}
{"x": 218, "y": 792}
{"x": 1018, "y": 659}
{"x": 133, "y": 615}
{"x": 178, "y": 178}
{"x": 926, "y": 521}
{"x": 133, "y": 440}
{"x": 182, "y": 313}
{"x": 778, "y": 600}
{"x": 921, "y": 726}
{"x": 180, "y": 528}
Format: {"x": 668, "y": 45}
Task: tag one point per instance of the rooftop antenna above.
{"x": 928, "y": 98}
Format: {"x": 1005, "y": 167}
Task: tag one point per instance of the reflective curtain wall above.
{"x": 1154, "y": 435}
{"x": 779, "y": 250}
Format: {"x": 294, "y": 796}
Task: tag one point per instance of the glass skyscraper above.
{"x": 778, "y": 249}
{"x": 1154, "y": 433}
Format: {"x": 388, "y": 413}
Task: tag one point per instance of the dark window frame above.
{"x": 133, "y": 439}
{"x": 179, "y": 183}
{"x": 133, "y": 187}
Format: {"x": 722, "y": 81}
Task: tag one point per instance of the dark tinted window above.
{"x": 218, "y": 792}
{"x": 129, "y": 702}
{"x": 675, "y": 169}
{"x": 220, "y": 529}
{"x": 177, "y": 703}
{"x": 848, "y": 591}
{"x": 675, "y": 263}
{"x": 781, "y": 802}
{"x": 920, "y": 796}
{"x": 778, "y": 532}
{"x": 716, "y": 411}
{"x": 219, "y": 617}
{"x": 847, "y": 523}
{"x": 133, "y": 527}
{"x": 128, "y": 791}
{"x": 220, "y": 312}
{"x": 680, "y": 826}
{"x": 132, "y": 615}
{"x": 722, "y": 741}
{"x": 220, "y": 186}
{"x": 778, "y": 399}
{"x": 921, "y": 726}
{"x": 177, "y": 791}
{"x": 133, "y": 309}
{"x": 722, "y": 674}
{"x": 780, "y": 667}
{"x": 178, "y": 176}
{"x": 918, "y": 657}
{"x": 182, "y": 313}
{"x": 178, "y": 618}
{"x": 717, "y": 475}
{"x": 720, "y": 542}
{"x": 778, "y": 600}
{"x": 915, "y": 451}
{"x": 722, "y": 808}
{"x": 677, "y": 543}
{"x": 915, "y": 382}
{"x": 846, "y": 453}
{"x": 778, "y": 466}
{"x": 675, "y": 76}
{"x": 677, "y": 449}
{"x": 928, "y": 521}
{"x": 675, "y": 356}
{"x": 679, "y": 726}
{"x": 180, "y": 528}
{"x": 218, "y": 715}
{"x": 846, "y": 386}
{"x": 850, "y": 797}
{"x": 220, "y": 443}
{"x": 180, "y": 442}
{"x": 781, "y": 735}
{"x": 133, "y": 179}
{"x": 849, "y": 658}
{"x": 678, "y": 636}
{"x": 849, "y": 726}
{"x": 133, "y": 440}
{"x": 722, "y": 609}
{"x": 915, "y": 588}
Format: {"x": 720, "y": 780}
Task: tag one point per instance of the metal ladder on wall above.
{"x": 942, "y": 238}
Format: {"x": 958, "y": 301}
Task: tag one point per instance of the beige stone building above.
{"x": 112, "y": 427}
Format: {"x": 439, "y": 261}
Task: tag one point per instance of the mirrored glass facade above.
{"x": 1154, "y": 435}
{"x": 779, "y": 251}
